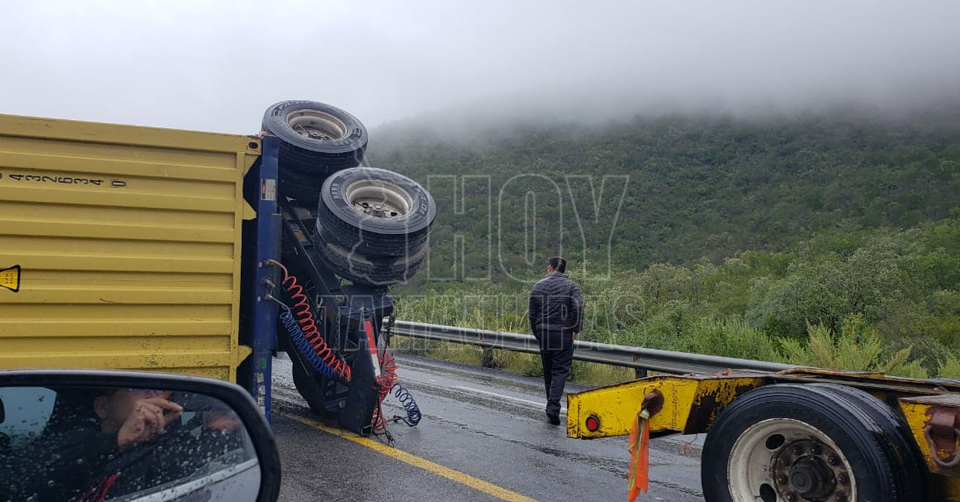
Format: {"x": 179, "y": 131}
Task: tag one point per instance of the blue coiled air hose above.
{"x": 303, "y": 346}
{"x": 409, "y": 406}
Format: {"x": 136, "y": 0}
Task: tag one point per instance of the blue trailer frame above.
{"x": 262, "y": 238}
{"x": 350, "y": 317}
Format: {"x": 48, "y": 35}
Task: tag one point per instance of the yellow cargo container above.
{"x": 120, "y": 246}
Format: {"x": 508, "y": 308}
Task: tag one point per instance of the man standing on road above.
{"x": 556, "y": 317}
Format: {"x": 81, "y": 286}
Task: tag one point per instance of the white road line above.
{"x": 563, "y": 409}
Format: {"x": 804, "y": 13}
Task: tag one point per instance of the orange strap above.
{"x": 639, "y": 456}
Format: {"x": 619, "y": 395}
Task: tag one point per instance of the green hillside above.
{"x": 709, "y": 229}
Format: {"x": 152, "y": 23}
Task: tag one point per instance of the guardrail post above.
{"x": 486, "y": 358}
{"x": 641, "y": 373}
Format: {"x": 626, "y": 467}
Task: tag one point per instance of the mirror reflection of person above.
{"x": 99, "y": 444}
{"x": 88, "y": 430}
{"x": 135, "y": 415}
{"x": 222, "y": 421}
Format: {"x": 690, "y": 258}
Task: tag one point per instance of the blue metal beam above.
{"x": 268, "y": 248}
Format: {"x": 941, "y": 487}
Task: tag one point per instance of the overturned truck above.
{"x": 188, "y": 252}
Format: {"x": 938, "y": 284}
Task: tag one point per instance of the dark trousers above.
{"x": 556, "y": 353}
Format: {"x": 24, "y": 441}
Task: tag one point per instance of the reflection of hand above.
{"x": 222, "y": 421}
{"x": 148, "y": 418}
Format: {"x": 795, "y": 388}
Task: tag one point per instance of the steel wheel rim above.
{"x": 316, "y": 125}
{"x": 777, "y": 460}
{"x": 379, "y": 199}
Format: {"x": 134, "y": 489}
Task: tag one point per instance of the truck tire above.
{"x": 317, "y": 140}
{"x": 798, "y": 442}
{"x": 376, "y": 271}
{"x": 913, "y": 471}
{"x": 374, "y": 212}
{"x": 308, "y": 385}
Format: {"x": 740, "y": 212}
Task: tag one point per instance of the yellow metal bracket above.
{"x": 249, "y": 213}
{"x": 243, "y": 352}
{"x": 690, "y": 404}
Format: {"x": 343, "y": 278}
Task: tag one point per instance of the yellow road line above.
{"x": 435, "y": 468}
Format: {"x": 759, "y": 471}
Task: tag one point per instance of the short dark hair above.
{"x": 558, "y": 264}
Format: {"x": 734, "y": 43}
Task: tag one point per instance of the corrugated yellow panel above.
{"x": 121, "y": 246}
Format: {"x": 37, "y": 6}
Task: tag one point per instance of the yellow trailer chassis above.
{"x": 797, "y": 435}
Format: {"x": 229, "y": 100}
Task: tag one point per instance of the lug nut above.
{"x": 815, "y": 449}
{"x": 832, "y": 459}
{"x": 840, "y": 498}
{"x": 797, "y": 450}
{"x": 791, "y": 497}
{"x": 782, "y": 479}
{"x": 784, "y": 461}
{"x": 842, "y": 478}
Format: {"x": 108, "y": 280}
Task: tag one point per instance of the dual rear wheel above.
{"x": 810, "y": 443}
{"x": 372, "y": 224}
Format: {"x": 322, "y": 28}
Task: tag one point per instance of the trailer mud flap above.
{"x": 362, "y": 397}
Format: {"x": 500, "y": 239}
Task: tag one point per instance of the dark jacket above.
{"x": 556, "y": 305}
{"x": 60, "y": 465}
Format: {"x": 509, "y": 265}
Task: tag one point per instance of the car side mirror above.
{"x": 99, "y": 435}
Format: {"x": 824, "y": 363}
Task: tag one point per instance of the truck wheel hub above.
{"x": 812, "y": 471}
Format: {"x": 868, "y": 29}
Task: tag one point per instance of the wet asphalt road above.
{"x": 483, "y": 428}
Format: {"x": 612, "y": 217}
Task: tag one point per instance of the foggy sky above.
{"x": 217, "y": 65}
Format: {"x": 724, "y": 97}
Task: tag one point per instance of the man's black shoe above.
{"x": 554, "y": 418}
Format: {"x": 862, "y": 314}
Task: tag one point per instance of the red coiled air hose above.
{"x": 385, "y": 382}
{"x": 301, "y": 310}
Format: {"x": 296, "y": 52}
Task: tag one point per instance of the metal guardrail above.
{"x": 641, "y": 359}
